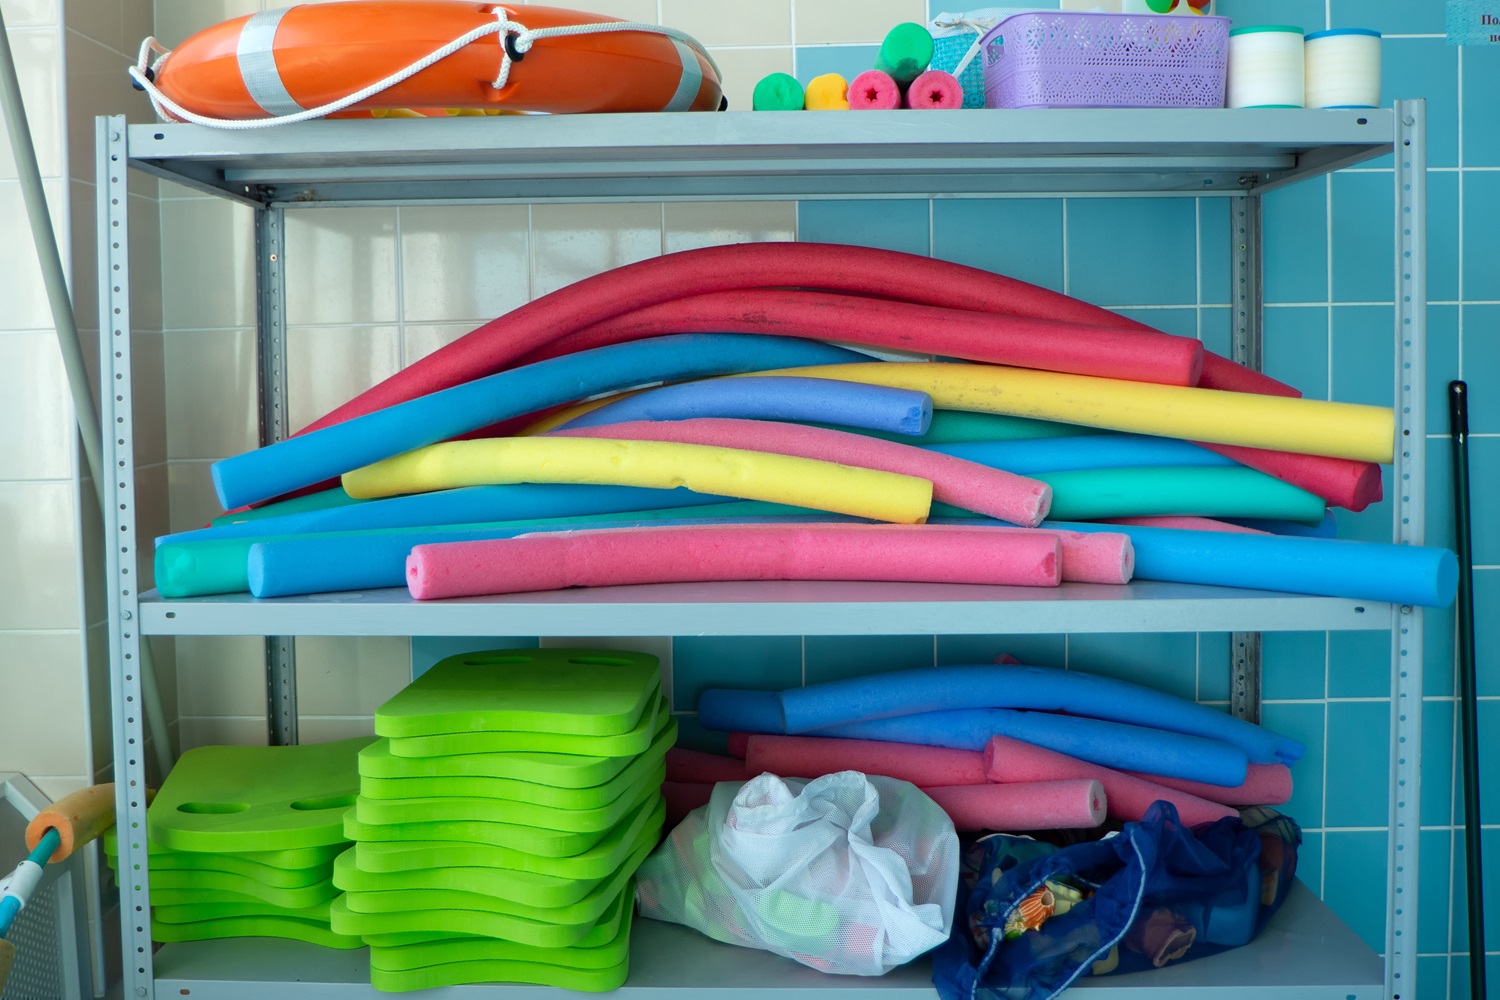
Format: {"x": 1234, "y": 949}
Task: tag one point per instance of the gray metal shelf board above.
{"x": 772, "y": 608}
{"x": 765, "y": 155}
{"x": 1304, "y": 953}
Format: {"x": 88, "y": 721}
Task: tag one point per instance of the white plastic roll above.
{"x": 1265, "y": 67}
{"x": 1343, "y": 68}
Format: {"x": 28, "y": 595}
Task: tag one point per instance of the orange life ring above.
{"x": 281, "y": 62}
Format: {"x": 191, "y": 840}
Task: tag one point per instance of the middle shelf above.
{"x": 774, "y": 608}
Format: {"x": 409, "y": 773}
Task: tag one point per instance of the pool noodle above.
{"x": 684, "y": 764}
{"x": 1326, "y": 567}
{"x": 1186, "y": 523}
{"x": 739, "y": 709}
{"x": 1126, "y": 798}
{"x": 1208, "y": 491}
{"x": 468, "y": 505}
{"x": 610, "y": 557}
{"x": 322, "y": 500}
{"x": 935, "y": 90}
{"x": 1034, "y": 805}
{"x": 772, "y": 397}
{"x": 1111, "y": 744}
{"x": 1264, "y": 785}
{"x": 873, "y": 90}
{"x": 905, "y": 51}
{"x": 1088, "y": 451}
{"x": 1327, "y": 528}
{"x": 997, "y": 338}
{"x": 933, "y": 689}
{"x": 320, "y": 564}
{"x": 311, "y": 458}
{"x": 1347, "y": 430}
{"x": 682, "y": 797}
{"x": 1342, "y": 482}
{"x": 969, "y": 485}
{"x": 751, "y": 475}
{"x": 813, "y": 757}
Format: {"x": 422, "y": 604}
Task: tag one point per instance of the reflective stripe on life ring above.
{"x": 691, "y": 80}
{"x": 256, "y": 51}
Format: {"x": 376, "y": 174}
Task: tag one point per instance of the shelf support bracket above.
{"x": 1410, "y": 482}
{"x": 270, "y": 323}
{"x": 120, "y": 547}
{"x": 1247, "y": 347}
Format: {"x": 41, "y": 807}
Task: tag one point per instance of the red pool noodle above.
{"x": 1186, "y": 522}
{"x": 738, "y": 744}
{"x": 1264, "y": 785}
{"x": 691, "y": 553}
{"x": 815, "y": 756}
{"x": 1020, "y": 341}
{"x": 957, "y": 481}
{"x": 1342, "y": 482}
{"x": 1221, "y": 373}
{"x": 873, "y": 90}
{"x": 834, "y": 267}
{"x": 682, "y": 797}
{"x": 696, "y": 766}
{"x": 1007, "y": 760}
{"x": 934, "y": 90}
{"x": 1037, "y": 805}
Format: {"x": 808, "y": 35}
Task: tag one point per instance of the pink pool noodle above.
{"x": 934, "y": 90}
{"x": 1264, "y": 785}
{"x": 682, "y": 797}
{"x": 1021, "y": 341}
{"x": 957, "y": 481}
{"x": 1096, "y": 557}
{"x": 815, "y": 756}
{"x": 1221, "y": 373}
{"x": 1128, "y": 797}
{"x": 696, "y": 766}
{"x": 1036, "y": 805}
{"x": 873, "y": 90}
{"x": 739, "y": 744}
{"x": 1185, "y": 522}
{"x": 690, "y": 553}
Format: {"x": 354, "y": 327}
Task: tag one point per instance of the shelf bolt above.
{"x": 125, "y": 616}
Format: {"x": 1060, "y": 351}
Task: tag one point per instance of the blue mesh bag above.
{"x": 1036, "y": 917}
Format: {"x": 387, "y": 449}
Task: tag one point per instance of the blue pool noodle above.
{"x": 325, "y": 563}
{"x": 735, "y": 710}
{"x": 331, "y": 451}
{"x": 465, "y": 505}
{"x": 775, "y": 397}
{"x": 1110, "y": 744}
{"x": 1094, "y": 451}
{"x": 936, "y": 689}
{"x": 1326, "y": 528}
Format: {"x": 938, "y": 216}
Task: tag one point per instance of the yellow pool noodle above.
{"x": 1280, "y": 423}
{"x": 733, "y": 472}
{"x": 829, "y": 92}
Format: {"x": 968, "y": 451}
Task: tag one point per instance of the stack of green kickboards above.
{"x": 241, "y": 842}
{"x": 501, "y": 819}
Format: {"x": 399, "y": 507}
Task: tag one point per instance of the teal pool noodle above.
{"x": 1325, "y": 567}
{"x": 312, "y": 458}
{"x": 963, "y": 425}
{"x": 905, "y": 52}
{"x": 465, "y": 505}
{"x": 1094, "y": 451}
{"x": 320, "y": 564}
{"x": 322, "y": 500}
{"x": 938, "y": 689}
{"x": 1110, "y": 744}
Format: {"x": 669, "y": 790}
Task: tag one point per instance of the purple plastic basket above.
{"x": 1065, "y": 59}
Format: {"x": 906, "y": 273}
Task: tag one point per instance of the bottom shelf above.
{"x": 1305, "y": 953}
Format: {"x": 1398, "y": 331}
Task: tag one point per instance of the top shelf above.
{"x": 765, "y": 155}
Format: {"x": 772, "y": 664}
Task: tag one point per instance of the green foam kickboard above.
{"x": 514, "y": 790}
{"x": 199, "y": 880}
{"x": 273, "y": 927}
{"x": 468, "y": 960}
{"x": 559, "y": 770}
{"x": 287, "y": 899}
{"x": 587, "y": 910}
{"x": 178, "y": 871}
{"x": 231, "y": 799}
{"x": 646, "y": 820}
{"x": 601, "y": 935}
{"x": 628, "y": 744}
{"x": 527, "y": 888}
{"x": 524, "y": 814}
{"x": 573, "y": 692}
{"x": 193, "y": 913}
{"x": 297, "y": 860}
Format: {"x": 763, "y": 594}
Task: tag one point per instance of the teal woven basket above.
{"x": 948, "y": 52}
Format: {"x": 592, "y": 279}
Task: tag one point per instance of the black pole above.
{"x": 1458, "y": 425}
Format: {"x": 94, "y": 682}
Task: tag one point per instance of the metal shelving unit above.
{"x": 1306, "y": 952}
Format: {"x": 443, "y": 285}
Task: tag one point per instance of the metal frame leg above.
{"x": 1247, "y": 347}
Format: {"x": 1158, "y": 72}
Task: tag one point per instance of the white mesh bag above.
{"x": 845, "y": 873}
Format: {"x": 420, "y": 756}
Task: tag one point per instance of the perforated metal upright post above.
{"x": 1410, "y": 482}
{"x": 123, "y": 591}
{"x": 270, "y": 323}
{"x": 1246, "y": 346}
